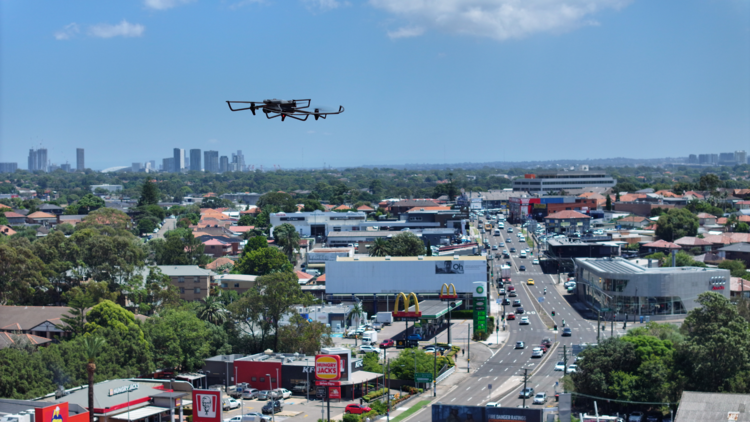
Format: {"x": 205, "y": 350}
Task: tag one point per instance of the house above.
{"x": 567, "y": 222}
{"x": 689, "y": 242}
{"x": 193, "y": 282}
{"x": 51, "y": 209}
{"x": 217, "y": 248}
{"x": 737, "y": 251}
{"x": 219, "y": 262}
{"x": 342, "y": 207}
{"x": 9, "y": 340}
{"x": 633, "y": 222}
{"x": 721, "y": 240}
{"x": 690, "y": 195}
{"x": 739, "y": 287}
{"x": 40, "y": 217}
{"x": 240, "y": 283}
{"x": 6, "y": 231}
{"x": 40, "y": 321}
{"x": 742, "y": 205}
{"x": 238, "y": 230}
{"x": 304, "y": 277}
{"x": 712, "y": 407}
{"x": 14, "y": 218}
{"x": 660, "y": 246}
{"x": 706, "y": 219}
{"x": 365, "y": 208}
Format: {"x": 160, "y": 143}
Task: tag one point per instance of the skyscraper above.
{"x": 211, "y": 161}
{"x": 179, "y": 160}
{"x": 223, "y": 164}
{"x": 80, "y": 166}
{"x": 168, "y": 165}
{"x": 8, "y": 167}
{"x": 195, "y": 160}
{"x": 38, "y": 160}
{"x": 240, "y": 161}
{"x": 740, "y": 156}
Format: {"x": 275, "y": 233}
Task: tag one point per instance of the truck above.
{"x": 370, "y": 337}
{"x": 505, "y": 273}
{"x": 385, "y": 318}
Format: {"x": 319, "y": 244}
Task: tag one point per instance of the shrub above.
{"x": 379, "y": 406}
{"x": 375, "y": 394}
{"x": 352, "y": 418}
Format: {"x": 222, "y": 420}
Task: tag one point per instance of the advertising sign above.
{"x": 207, "y": 406}
{"x": 480, "y": 306}
{"x": 449, "y": 267}
{"x": 54, "y": 413}
{"x": 447, "y": 413}
{"x": 327, "y": 367}
{"x": 334, "y": 393}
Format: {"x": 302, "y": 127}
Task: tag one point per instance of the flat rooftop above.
{"x": 432, "y": 309}
{"x": 622, "y": 266}
{"x": 410, "y": 258}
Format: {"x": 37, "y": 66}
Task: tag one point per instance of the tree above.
{"x": 709, "y": 182}
{"x": 262, "y": 262}
{"x": 287, "y": 238}
{"x": 213, "y": 202}
{"x": 277, "y": 200}
{"x": 736, "y": 268}
{"x": 212, "y": 310}
{"x": 311, "y": 205}
{"x": 179, "y": 339}
{"x": 742, "y": 227}
{"x": 677, "y": 223}
{"x": 406, "y": 244}
{"x": 109, "y": 315}
{"x": 149, "y": 194}
{"x": 92, "y": 347}
{"x": 380, "y": 247}
{"x": 21, "y": 272}
{"x": 255, "y": 243}
{"x": 246, "y": 220}
{"x": 75, "y": 320}
{"x": 280, "y": 292}
{"x": 3, "y": 220}
{"x": 608, "y": 205}
{"x": 304, "y": 337}
{"x": 89, "y": 203}
{"x": 716, "y": 353}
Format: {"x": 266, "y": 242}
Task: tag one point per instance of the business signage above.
{"x": 334, "y": 393}
{"x": 479, "y": 306}
{"x": 327, "y": 383}
{"x": 450, "y": 413}
{"x": 54, "y": 413}
{"x": 327, "y": 367}
{"x": 717, "y": 283}
{"x": 449, "y": 267}
{"x": 207, "y": 406}
{"x": 123, "y": 389}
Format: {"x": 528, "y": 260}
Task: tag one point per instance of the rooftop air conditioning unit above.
{"x": 356, "y": 258}
{"x": 387, "y": 257}
{"x": 420, "y": 257}
{"x": 455, "y": 257}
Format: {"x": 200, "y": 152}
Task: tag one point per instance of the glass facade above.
{"x": 604, "y": 294}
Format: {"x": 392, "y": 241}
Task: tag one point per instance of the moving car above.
{"x": 516, "y": 303}
{"x": 506, "y": 301}
{"x": 510, "y": 317}
{"x": 387, "y": 343}
{"x": 356, "y": 409}
{"x": 537, "y": 352}
{"x": 526, "y": 393}
{"x": 512, "y": 294}
{"x": 501, "y": 292}
{"x": 540, "y": 398}
{"x": 370, "y": 349}
{"x": 522, "y": 268}
{"x": 547, "y": 342}
{"x": 535, "y": 262}
{"x": 560, "y": 366}
{"x": 520, "y": 345}
{"x": 493, "y": 404}
{"x": 414, "y": 337}
{"x": 273, "y": 406}
{"x": 512, "y": 250}
{"x": 572, "y": 368}
{"x": 567, "y": 332}
{"x": 524, "y": 321}
{"x": 519, "y": 310}
{"x": 530, "y": 282}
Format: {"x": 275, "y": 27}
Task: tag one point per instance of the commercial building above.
{"x": 319, "y": 223}
{"x": 195, "y": 160}
{"x": 211, "y": 161}
{"x": 567, "y": 222}
{"x": 617, "y": 286}
{"x": 223, "y": 164}
{"x": 179, "y": 160}
{"x": 704, "y": 407}
{"x": 80, "y": 163}
{"x": 8, "y": 167}
{"x": 563, "y": 180}
{"x": 245, "y": 198}
{"x": 167, "y": 165}
{"x": 240, "y": 283}
{"x": 38, "y": 160}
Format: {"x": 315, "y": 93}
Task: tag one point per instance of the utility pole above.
{"x": 434, "y": 371}
{"x": 468, "y": 350}
{"x": 388, "y": 408}
{"x": 565, "y": 360}
{"x": 598, "y": 325}
{"x": 525, "y": 378}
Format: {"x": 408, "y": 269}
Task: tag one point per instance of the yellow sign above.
{"x": 447, "y": 289}
{"x": 407, "y": 302}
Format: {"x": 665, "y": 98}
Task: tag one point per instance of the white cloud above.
{"x": 67, "y": 32}
{"x": 122, "y": 29}
{"x": 406, "y": 32}
{"x": 165, "y": 4}
{"x": 496, "y": 19}
{"x": 324, "y": 5}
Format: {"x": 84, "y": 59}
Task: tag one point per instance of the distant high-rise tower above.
{"x": 179, "y": 160}
{"x": 740, "y": 157}
{"x": 38, "y": 160}
{"x": 223, "y": 164}
{"x": 240, "y": 161}
{"x": 195, "y": 160}
{"x": 8, "y": 167}
{"x": 168, "y": 165}
{"x": 80, "y": 165}
{"x": 211, "y": 161}
{"x": 693, "y": 159}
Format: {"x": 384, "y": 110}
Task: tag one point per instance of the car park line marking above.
{"x": 453, "y": 399}
{"x": 469, "y": 388}
{"x": 469, "y": 399}
{"x": 494, "y": 379}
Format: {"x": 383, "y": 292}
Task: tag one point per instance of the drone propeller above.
{"x": 319, "y": 112}
{"x": 252, "y": 107}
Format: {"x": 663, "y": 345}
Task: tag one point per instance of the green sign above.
{"x": 480, "y": 314}
{"x": 424, "y": 377}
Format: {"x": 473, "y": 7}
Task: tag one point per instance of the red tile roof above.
{"x": 667, "y": 194}
{"x": 321, "y": 278}
{"x": 241, "y": 229}
{"x": 662, "y": 244}
{"x": 705, "y": 215}
{"x": 633, "y": 219}
{"x": 3, "y": 206}
{"x": 303, "y": 276}
{"x": 342, "y": 207}
{"x": 365, "y": 208}
{"x": 219, "y": 262}
{"x": 215, "y": 242}
{"x": 429, "y": 209}
{"x": 6, "y": 230}
{"x": 565, "y": 215}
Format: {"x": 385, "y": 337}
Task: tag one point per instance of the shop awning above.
{"x": 361, "y": 376}
{"x": 141, "y": 413}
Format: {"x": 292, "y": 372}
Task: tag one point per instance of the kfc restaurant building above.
{"x": 132, "y": 400}
{"x": 265, "y": 372}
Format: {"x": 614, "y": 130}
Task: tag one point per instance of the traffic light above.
{"x": 553, "y": 313}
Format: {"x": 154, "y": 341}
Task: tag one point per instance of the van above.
{"x": 523, "y": 254}
{"x": 501, "y": 225}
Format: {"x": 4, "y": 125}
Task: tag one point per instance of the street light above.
{"x": 273, "y": 405}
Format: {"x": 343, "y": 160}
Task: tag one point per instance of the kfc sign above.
{"x": 327, "y": 367}
{"x": 207, "y": 406}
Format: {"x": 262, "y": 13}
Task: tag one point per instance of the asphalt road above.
{"x": 508, "y": 363}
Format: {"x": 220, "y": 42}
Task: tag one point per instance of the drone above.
{"x": 296, "y": 109}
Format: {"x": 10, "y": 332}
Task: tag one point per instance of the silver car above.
{"x": 540, "y": 398}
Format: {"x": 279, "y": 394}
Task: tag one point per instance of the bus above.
{"x": 488, "y": 226}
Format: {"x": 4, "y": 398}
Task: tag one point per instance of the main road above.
{"x": 505, "y": 367}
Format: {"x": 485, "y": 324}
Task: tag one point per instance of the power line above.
{"x": 622, "y": 401}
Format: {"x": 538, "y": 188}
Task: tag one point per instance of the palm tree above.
{"x": 356, "y": 314}
{"x": 92, "y": 346}
{"x": 212, "y": 310}
{"x": 380, "y": 247}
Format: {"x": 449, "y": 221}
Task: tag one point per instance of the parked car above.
{"x": 250, "y": 393}
{"x": 636, "y": 416}
{"x": 501, "y": 292}
{"x": 273, "y": 406}
{"x": 281, "y": 393}
{"x": 526, "y": 393}
{"x": 540, "y": 398}
{"x": 369, "y": 349}
{"x": 231, "y": 404}
{"x": 263, "y": 394}
{"x": 387, "y": 343}
{"x": 356, "y": 409}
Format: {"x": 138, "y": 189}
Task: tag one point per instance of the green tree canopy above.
{"x": 287, "y": 237}
{"x": 263, "y": 261}
{"x": 277, "y": 201}
{"x": 149, "y": 194}
{"x": 406, "y": 244}
{"x": 178, "y": 339}
{"x": 677, "y": 223}
{"x": 89, "y": 203}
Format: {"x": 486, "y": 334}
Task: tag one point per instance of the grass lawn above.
{"x": 411, "y": 411}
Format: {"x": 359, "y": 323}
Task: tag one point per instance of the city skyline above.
{"x": 570, "y": 79}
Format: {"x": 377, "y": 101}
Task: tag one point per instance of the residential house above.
{"x": 239, "y": 230}
{"x": 41, "y": 321}
{"x": 689, "y": 242}
{"x": 706, "y": 219}
{"x": 72, "y": 219}
{"x": 691, "y": 195}
{"x": 304, "y": 277}
{"x": 9, "y": 340}
{"x": 15, "y": 219}
{"x": 40, "y": 217}
{"x": 219, "y": 262}
{"x": 365, "y": 208}
{"x": 51, "y": 209}
{"x": 193, "y": 282}
{"x": 660, "y": 246}
{"x": 742, "y": 205}
{"x": 343, "y": 207}
{"x": 217, "y": 248}
{"x": 739, "y": 287}
{"x": 633, "y": 222}
{"x": 240, "y": 283}
{"x": 6, "y": 231}
{"x": 737, "y": 251}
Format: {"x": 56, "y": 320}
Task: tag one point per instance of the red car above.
{"x": 543, "y": 347}
{"x": 356, "y": 409}
{"x": 511, "y": 316}
{"x": 387, "y": 343}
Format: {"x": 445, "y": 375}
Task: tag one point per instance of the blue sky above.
{"x": 423, "y": 81}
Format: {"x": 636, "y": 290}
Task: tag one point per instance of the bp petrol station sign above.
{"x": 480, "y": 306}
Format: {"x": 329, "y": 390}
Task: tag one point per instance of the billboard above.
{"x": 327, "y": 367}
{"x": 207, "y": 406}
{"x": 449, "y": 267}
{"x": 449, "y": 413}
{"x": 54, "y": 413}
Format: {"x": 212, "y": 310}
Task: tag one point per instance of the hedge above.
{"x": 375, "y": 394}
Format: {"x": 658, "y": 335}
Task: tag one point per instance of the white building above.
{"x": 319, "y": 223}
{"x": 111, "y": 188}
{"x": 563, "y": 180}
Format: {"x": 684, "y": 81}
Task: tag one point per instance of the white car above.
{"x": 572, "y": 368}
{"x": 560, "y": 366}
{"x": 282, "y": 393}
{"x": 501, "y": 292}
{"x": 493, "y": 404}
{"x": 368, "y": 349}
{"x": 540, "y": 398}
{"x": 524, "y": 321}
{"x": 535, "y": 262}
{"x": 231, "y": 404}
{"x": 537, "y": 352}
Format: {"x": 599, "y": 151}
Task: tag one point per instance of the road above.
{"x": 169, "y": 224}
{"x": 507, "y": 364}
